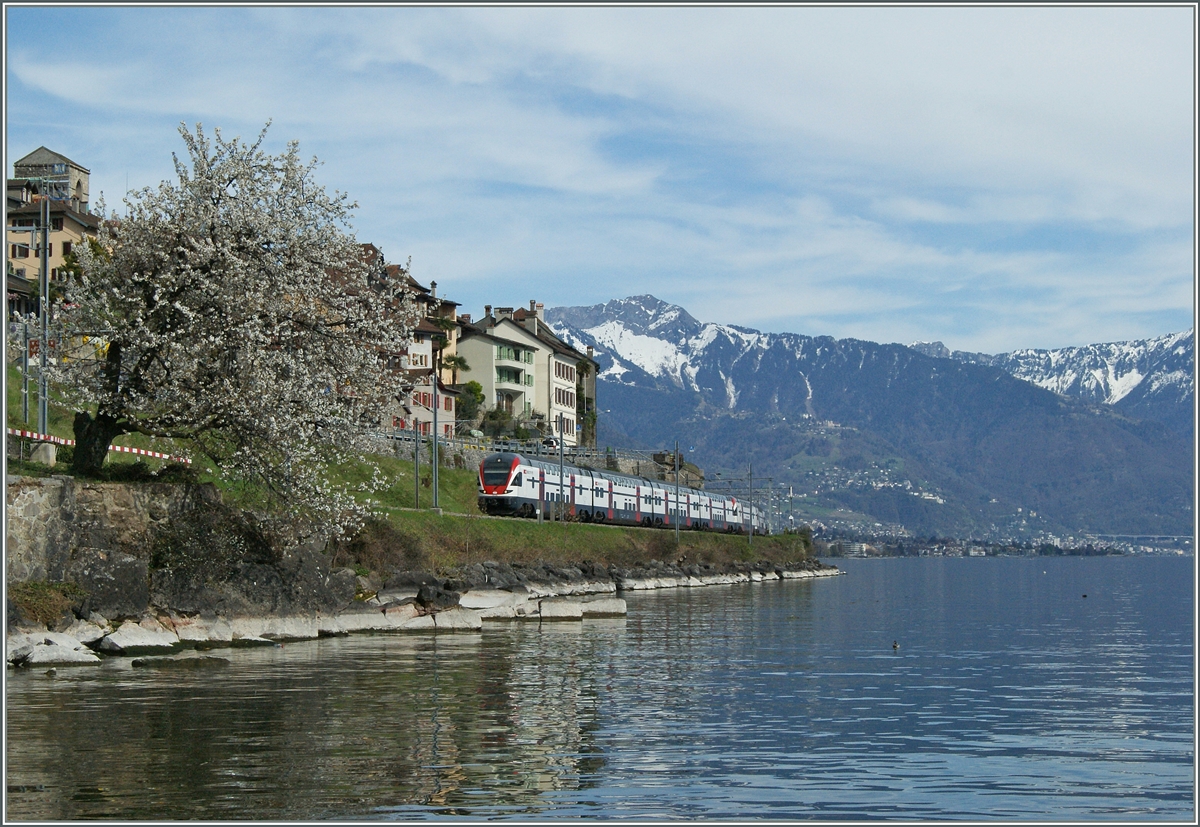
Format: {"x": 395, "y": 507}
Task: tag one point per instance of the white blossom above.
{"x": 243, "y": 319}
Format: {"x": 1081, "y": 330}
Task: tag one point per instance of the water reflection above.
{"x": 328, "y": 728}
{"x": 1011, "y": 697}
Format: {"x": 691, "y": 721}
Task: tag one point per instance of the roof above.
{"x": 42, "y": 155}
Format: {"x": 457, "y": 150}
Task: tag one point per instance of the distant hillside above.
{"x": 881, "y": 433}
{"x": 1145, "y": 379}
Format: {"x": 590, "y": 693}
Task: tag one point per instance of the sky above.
{"x": 990, "y": 177}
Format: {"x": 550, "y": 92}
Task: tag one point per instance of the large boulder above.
{"x": 47, "y": 648}
{"x": 132, "y": 638}
{"x": 435, "y": 598}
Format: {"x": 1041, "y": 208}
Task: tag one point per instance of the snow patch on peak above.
{"x": 655, "y": 356}
{"x": 1120, "y": 386}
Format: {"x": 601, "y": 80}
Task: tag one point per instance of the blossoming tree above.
{"x": 236, "y": 313}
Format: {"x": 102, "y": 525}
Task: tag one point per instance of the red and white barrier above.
{"x": 57, "y": 440}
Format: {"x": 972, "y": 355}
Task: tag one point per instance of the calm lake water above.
{"x": 1012, "y": 696}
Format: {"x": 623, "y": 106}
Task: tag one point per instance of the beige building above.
{"x": 40, "y": 175}
{"x": 528, "y": 371}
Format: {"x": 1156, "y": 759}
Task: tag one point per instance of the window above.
{"x": 528, "y": 355}
{"x": 448, "y": 403}
{"x": 56, "y": 224}
{"x": 66, "y": 248}
{"x": 564, "y": 371}
{"x": 19, "y": 251}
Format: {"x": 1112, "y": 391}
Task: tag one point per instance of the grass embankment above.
{"x": 404, "y": 537}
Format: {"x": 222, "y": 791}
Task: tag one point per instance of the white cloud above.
{"x": 835, "y": 165}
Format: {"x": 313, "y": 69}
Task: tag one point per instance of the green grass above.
{"x": 441, "y": 543}
{"x": 405, "y": 536}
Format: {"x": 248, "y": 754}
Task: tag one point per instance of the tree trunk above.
{"x": 93, "y": 435}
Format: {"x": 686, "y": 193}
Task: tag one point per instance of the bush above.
{"x": 45, "y": 602}
{"x": 381, "y": 547}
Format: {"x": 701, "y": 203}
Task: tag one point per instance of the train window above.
{"x": 518, "y": 481}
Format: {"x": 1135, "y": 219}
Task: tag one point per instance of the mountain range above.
{"x": 1092, "y": 440}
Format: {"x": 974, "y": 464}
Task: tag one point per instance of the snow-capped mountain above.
{"x": 1146, "y": 379}
{"x": 931, "y": 442}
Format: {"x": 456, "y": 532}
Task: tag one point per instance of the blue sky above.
{"x": 993, "y": 178}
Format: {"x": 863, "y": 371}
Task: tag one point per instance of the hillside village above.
{"x": 503, "y": 374}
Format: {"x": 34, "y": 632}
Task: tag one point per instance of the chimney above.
{"x": 541, "y": 312}
{"x": 433, "y": 289}
{"x": 590, "y": 354}
{"x": 504, "y": 313}
{"x": 532, "y": 306}
{"x": 465, "y": 318}
{"x": 487, "y": 310}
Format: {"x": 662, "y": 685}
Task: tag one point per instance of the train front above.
{"x": 498, "y": 488}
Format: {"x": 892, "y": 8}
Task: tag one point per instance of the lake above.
{"x": 1011, "y": 696}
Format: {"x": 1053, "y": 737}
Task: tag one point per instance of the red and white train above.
{"x": 514, "y": 485}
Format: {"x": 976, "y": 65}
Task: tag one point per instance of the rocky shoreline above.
{"x": 408, "y": 602}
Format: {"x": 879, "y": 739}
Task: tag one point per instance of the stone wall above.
{"x": 101, "y": 536}
{"x": 51, "y": 520}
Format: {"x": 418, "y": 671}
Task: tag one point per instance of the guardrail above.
{"x": 124, "y": 449}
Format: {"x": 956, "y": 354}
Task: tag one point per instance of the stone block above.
{"x": 420, "y": 623}
{"x": 46, "y": 453}
{"x": 604, "y": 607}
{"x": 398, "y": 615}
{"x": 18, "y": 646}
{"x": 44, "y": 653}
{"x": 457, "y": 620}
{"x": 560, "y": 610}
{"x": 85, "y": 632}
{"x": 489, "y": 598}
{"x": 201, "y": 630}
{"x": 133, "y": 638}
{"x": 290, "y": 628}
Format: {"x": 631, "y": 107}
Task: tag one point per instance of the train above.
{"x": 514, "y": 485}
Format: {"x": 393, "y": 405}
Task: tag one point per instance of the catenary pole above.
{"x": 44, "y": 305}
{"x": 562, "y": 513}
{"x": 676, "y": 516}
{"x": 25, "y": 369}
{"x": 434, "y": 450}
{"x": 750, "y": 483}
{"x": 416, "y": 462}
